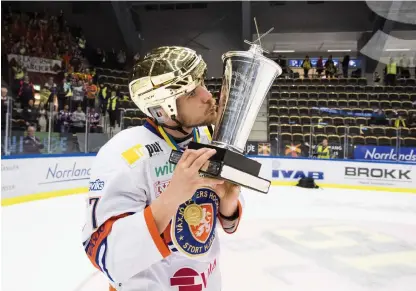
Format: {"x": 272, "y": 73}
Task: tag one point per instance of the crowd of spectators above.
{"x": 73, "y": 93}
{"x": 72, "y": 100}
{"x": 329, "y": 67}
{"x": 396, "y": 68}
{"x": 41, "y": 35}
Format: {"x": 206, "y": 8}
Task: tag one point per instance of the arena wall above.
{"x": 29, "y": 178}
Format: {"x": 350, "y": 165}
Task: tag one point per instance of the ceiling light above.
{"x": 283, "y": 51}
{"x": 338, "y": 51}
{"x": 398, "y": 50}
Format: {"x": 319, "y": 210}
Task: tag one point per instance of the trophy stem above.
{"x": 227, "y": 146}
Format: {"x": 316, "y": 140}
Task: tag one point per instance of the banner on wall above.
{"x": 295, "y": 150}
{"x": 299, "y": 150}
{"x": 39, "y": 175}
{"x": 254, "y": 148}
{"x": 34, "y": 64}
{"x": 385, "y": 153}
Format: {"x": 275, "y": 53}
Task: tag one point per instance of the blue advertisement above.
{"x": 385, "y": 153}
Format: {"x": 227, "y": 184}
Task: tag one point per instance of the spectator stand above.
{"x": 44, "y": 68}
{"x": 305, "y": 111}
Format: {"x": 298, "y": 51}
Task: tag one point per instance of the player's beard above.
{"x": 209, "y": 117}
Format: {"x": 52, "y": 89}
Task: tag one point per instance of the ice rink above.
{"x": 291, "y": 239}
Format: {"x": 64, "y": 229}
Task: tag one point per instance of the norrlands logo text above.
{"x": 391, "y": 155}
{"x": 68, "y": 173}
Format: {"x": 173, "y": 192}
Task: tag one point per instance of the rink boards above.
{"x": 349, "y": 174}
{"x": 27, "y": 178}
{"x": 44, "y": 176}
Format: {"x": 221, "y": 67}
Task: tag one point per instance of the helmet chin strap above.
{"x": 177, "y": 127}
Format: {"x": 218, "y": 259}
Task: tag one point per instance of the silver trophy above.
{"x": 247, "y": 78}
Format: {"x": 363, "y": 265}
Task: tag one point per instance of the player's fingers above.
{"x": 191, "y": 156}
{"x": 212, "y": 182}
{"x": 184, "y": 157}
{"x": 200, "y": 161}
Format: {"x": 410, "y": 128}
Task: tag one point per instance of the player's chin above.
{"x": 208, "y": 120}
{"x": 211, "y": 118}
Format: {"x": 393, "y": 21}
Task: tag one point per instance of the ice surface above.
{"x": 290, "y": 239}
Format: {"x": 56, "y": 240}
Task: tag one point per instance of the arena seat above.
{"x": 297, "y": 102}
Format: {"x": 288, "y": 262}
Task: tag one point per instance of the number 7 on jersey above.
{"x": 94, "y": 202}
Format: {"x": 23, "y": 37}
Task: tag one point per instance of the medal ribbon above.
{"x": 171, "y": 142}
{"x": 160, "y": 131}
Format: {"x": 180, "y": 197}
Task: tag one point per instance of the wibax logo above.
{"x": 297, "y": 174}
{"x": 166, "y": 169}
{"x": 154, "y": 149}
{"x": 97, "y": 185}
{"x": 378, "y": 173}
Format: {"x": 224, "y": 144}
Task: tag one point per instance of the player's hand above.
{"x": 228, "y": 191}
{"x": 229, "y": 194}
{"x": 186, "y": 180}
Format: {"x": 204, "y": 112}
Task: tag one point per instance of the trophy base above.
{"x": 230, "y": 166}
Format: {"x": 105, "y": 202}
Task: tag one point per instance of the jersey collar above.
{"x": 161, "y": 133}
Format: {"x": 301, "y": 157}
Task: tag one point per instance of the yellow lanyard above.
{"x": 172, "y": 143}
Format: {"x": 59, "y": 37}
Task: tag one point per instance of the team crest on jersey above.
{"x": 160, "y": 186}
{"x": 196, "y": 239}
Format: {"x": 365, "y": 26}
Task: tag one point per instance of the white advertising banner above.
{"x": 34, "y": 64}
{"x": 21, "y": 177}
{"x": 54, "y": 176}
{"x": 341, "y": 174}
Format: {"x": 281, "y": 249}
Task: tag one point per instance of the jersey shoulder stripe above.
{"x": 97, "y": 245}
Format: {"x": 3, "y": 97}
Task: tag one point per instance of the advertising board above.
{"x": 39, "y": 176}
{"x": 385, "y": 153}
{"x": 49, "y": 176}
{"x": 341, "y": 174}
{"x": 255, "y": 148}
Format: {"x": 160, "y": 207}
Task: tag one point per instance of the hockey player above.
{"x": 151, "y": 225}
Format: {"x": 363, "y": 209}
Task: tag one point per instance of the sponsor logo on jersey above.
{"x": 97, "y": 185}
{"x": 154, "y": 149}
{"x": 186, "y": 278}
{"x": 196, "y": 240}
{"x": 133, "y": 154}
{"x": 160, "y": 186}
{"x": 166, "y": 169}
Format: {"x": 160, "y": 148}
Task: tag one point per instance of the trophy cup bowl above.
{"x": 247, "y": 78}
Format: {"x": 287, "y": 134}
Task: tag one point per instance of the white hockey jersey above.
{"x": 120, "y": 236}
